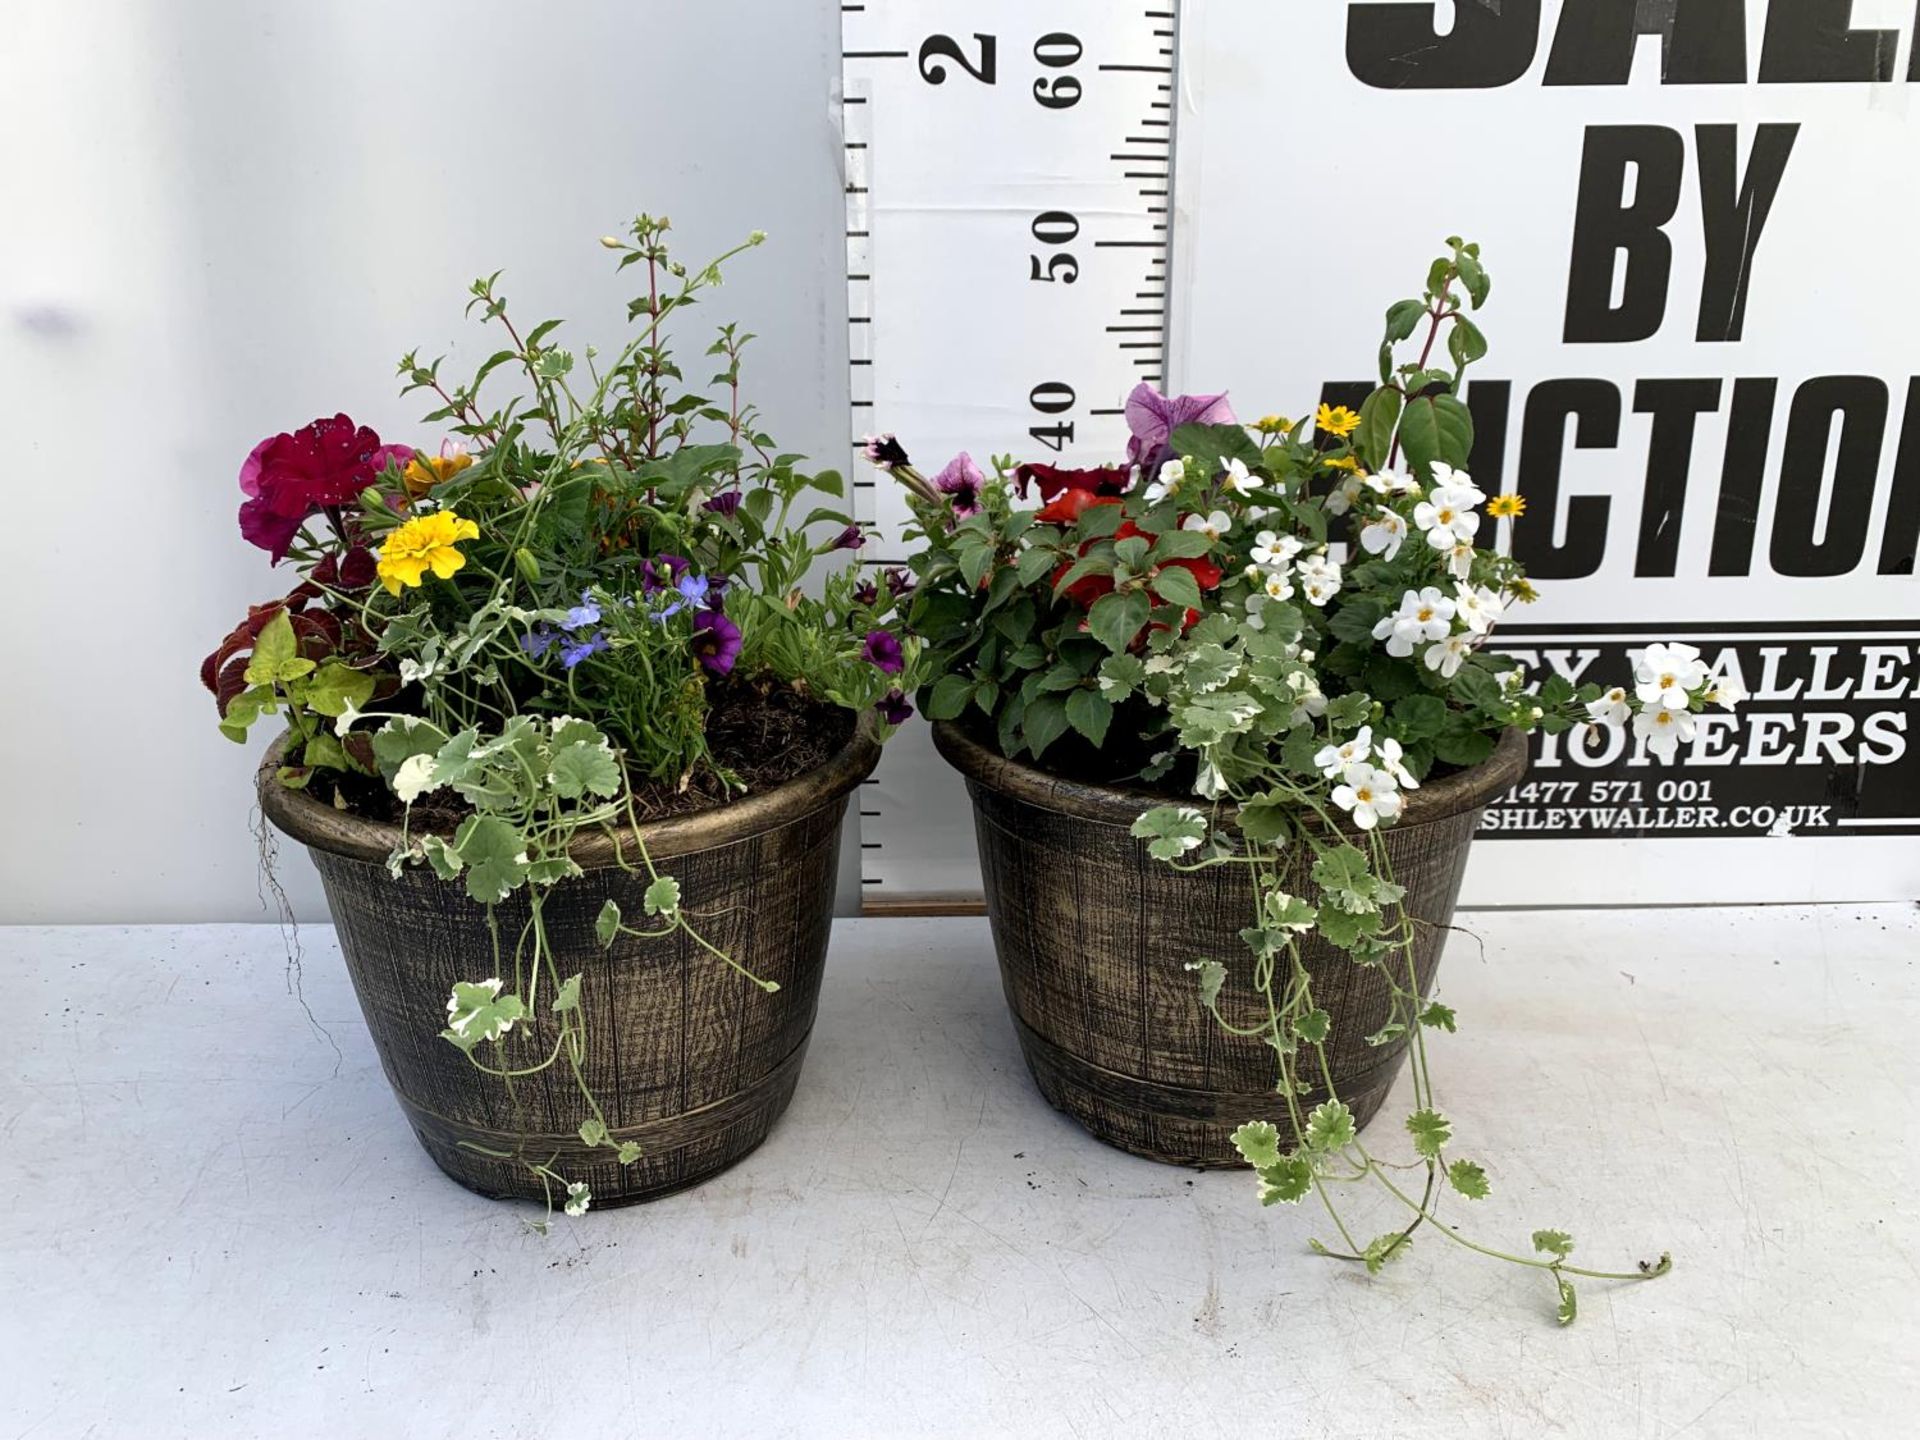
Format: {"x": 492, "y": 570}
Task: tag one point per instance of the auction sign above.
{"x": 1702, "y": 219}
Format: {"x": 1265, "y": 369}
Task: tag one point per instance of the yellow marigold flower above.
{"x": 424, "y": 471}
{"x": 1344, "y": 462}
{"x": 1272, "y": 424}
{"x": 1336, "y": 420}
{"x": 424, "y": 543}
{"x": 1502, "y": 507}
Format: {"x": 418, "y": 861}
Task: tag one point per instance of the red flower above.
{"x": 291, "y": 477}
{"x": 1054, "y": 481}
{"x": 1069, "y": 505}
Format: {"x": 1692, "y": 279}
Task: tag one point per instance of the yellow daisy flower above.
{"x": 424, "y": 543}
{"x": 1336, "y": 420}
{"x": 1503, "y": 507}
{"x": 423, "y": 472}
{"x": 1343, "y": 462}
{"x": 1272, "y": 424}
{"x": 1522, "y": 591}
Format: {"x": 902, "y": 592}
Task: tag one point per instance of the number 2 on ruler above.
{"x": 1055, "y": 51}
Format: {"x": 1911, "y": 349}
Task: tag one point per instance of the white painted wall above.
{"x": 225, "y": 219}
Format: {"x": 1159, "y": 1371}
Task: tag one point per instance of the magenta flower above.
{"x": 884, "y": 451}
{"x": 962, "y": 481}
{"x": 396, "y": 455}
{"x": 850, "y": 538}
{"x": 882, "y": 648}
{"x": 289, "y": 478}
{"x": 716, "y": 641}
{"x": 725, "y": 503}
{"x": 663, "y": 572}
{"x": 893, "y": 708}
{"x": 1153, "y": 417}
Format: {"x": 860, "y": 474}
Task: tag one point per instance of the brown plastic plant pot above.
{"x": 1093, "y": 934}
{"x": 687, "y": 1057}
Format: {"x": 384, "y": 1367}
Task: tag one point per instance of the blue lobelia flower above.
{"x": 572, "y": 654}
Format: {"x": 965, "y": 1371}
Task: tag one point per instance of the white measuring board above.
{"x": 1008, "y": 221}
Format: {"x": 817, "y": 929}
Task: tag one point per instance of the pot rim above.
{"x": 303, "y": 818}
{"x": 982, "y": 765}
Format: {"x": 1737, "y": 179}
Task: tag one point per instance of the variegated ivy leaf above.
{"x": 1281, "y": 911}
{"x": 1384, "y": 1248}
{"x": 579, "y": 1197}
{"x": 593, "y": 1131}
{"x": 1313, "y": 1027}
{"x": 1286, "y": 1182}
{"x": 1557, "y": 1243}
{"x": 568, "y": 996}
{"x": 1258, "y": 1142}
{"x": 552, "y": 869}
{"x": 414, "y": 778}
{"x": 567, "y": 730}
{"x": 1569, "y": 1306}
{"x": 607, "y": 923}
{"x": 495, "y": 855}
{"x": 1170, "y": 830}
{"x": 1430, "y": 1130}
{"x": 1440, "y": 1017}
{"x": 1387, "y": 1033}
{"x": 1121, "y": 675}
{"x": 1330, "y": 1127}
{"x": 1208, "y": 719}
{"x": 444, "y": 859}
{"x": 663, "y": 896}
{"x": 579, "y": 768}
{"x": 404, "y": 736}
{"x": 1212, "y": 976}
{"x": 478, "y": 1011}
{"x": 1208, "y": 667}
{"x": 1469, "y": 1179}
{"x": 629, "y": 1152}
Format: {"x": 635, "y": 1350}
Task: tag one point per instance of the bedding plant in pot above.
{"x": 570, "y": 738}
{"x": 1228, "y": 720}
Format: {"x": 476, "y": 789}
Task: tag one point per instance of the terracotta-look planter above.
{"x": 687, "y": 1058}
{"x": 1093, "y": 935}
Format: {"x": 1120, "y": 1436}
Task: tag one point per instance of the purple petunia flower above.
{"x": 884, "y": 451}
{"x": 572, "y": 654}
{"x": 962, "y": 482}
{"x": 663, "y": 572}
{"x": 866, "y": 593}
{"x": 1153, "y": 417}
{"x": 716, "y": 641}
{"x": 851, "y": 538}
{"x": 882, "y": 648}
{"x": 894, "y": 709}
{"x": 725, "y": 503}
{"x": 899, "y": 582}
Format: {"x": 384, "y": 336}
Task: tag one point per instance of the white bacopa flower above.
{"x": 1274, "y": 550}
{"x": 1133, "y": 479}
{"x": 1393, "y": 761}
{"x": 1726, "y": 693}
{"x": 1239, "y": 479}
{"x": 1423, "y": 615}
{"x": 1278, "y": 586}
{"x": 1393, "y": 482}
{"x": 1666, "y": 673}
{"x": 1663, "y": 729}
{"x": 1368, "y": 795}
{"x": 1383, "y": 535}
{"x": 1611, "y": 708}
{"x": 1448, "y": 516}
{"x": 1449, "y": 654}
{"x": 1446, "y": 477}
{"x": 1478, "y": 607}
{"x": 1460, "y": 560}
{"x": 1319, "y": 578}
{"x": 1341, "y": 498}
{"x": 1167, "y": 482}
{"x": 1212, "y": 526}
{"x": 1311, "y": 706}
{"x": 1332, "y": 759}
{"x": 579, "y": 1197}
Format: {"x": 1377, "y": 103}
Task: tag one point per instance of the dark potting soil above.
{"x": 760, "y": 735}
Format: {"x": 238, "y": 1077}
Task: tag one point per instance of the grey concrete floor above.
{"x": 212, "y": 1224}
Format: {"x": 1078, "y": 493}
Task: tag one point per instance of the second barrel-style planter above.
{"x": 687, "y": 1058}
{"x": 1092, "y": 935}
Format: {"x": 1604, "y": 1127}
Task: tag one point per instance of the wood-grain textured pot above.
{"x": 1093, "y": 935}
{"x": 687, "y": 1058}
